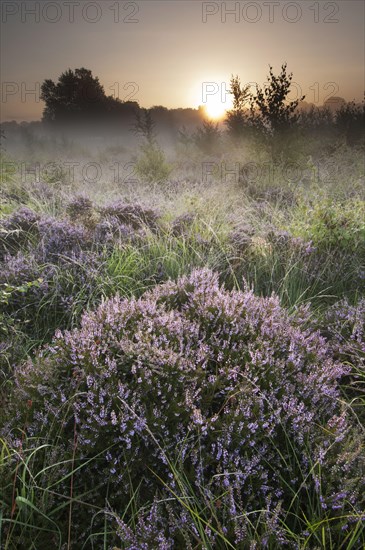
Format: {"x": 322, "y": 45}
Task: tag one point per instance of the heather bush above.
{"x": 59, "y": 238}
{"x": 82, "y": 210}
{"x": 111, "y": 231}
{"x": 134, "y": 215}
{"x": 17, "y": 230}
{"x": 194, "y": 388}
{"x": 345, "y": 326}
{"x": 53, "y": 302}
{"x": 182, "y": 225}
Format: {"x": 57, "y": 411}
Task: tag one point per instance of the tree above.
{"x": 151, "y": 164}
{"x": 77, "y": 94}
{"x": 271, "y": 108}
{"x": 207, "y": 137}
{"x": 145, "y": 126}
{"x": 235, "y": 117}
{"x": 350, "y": 122}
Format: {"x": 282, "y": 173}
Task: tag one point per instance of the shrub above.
{"x": 17, "y": 229}
{"x": 134, "y": 215}
{"x": 182, "y": 225}
{"x": 207, "y": 137}
{"x": 151, "y": 165}
{"x": 59, "y": 238}
{"x": 345, "y": 326}
{"x": 82, "y": 210}
{"x": 334, "y": 225}
{"x": 224, "y": 388}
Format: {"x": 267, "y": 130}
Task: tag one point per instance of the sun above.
{"x": 215, "y": 108}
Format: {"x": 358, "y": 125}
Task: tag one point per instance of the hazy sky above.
{"x": 162, "y": 52}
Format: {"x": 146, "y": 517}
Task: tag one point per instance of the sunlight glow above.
{"x": 215, "y": 108}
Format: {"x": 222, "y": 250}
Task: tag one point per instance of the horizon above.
{"x": 181, "y": 54}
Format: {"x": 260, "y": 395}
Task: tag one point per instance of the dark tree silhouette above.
{"x": 235, "y": 120}
{"x": 145, "y": 126}
{"x": 206, "y": 138}
{"x": 76, "y": 94}
{"x": 78, "y": 97}
{"x": 271, "y": 108}
{"x": 350, "y": 122}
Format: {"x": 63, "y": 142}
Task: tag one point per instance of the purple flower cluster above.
{"x": 241, "y": 237}
{"x": 62, "y": 254}
{"x": 111, "y": 231}
{"x": 279, "y": 241}
{"x": 60, "y": 238}
{"x": 227, "y": 386}
{"x": 67, "y": 254}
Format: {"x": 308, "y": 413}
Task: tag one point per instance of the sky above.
{"x": 180, "y": 53}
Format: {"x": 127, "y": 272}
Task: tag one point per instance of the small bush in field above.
{"x": 110, "y": 231}
{"x": 237, "y": 394}
{"x": 151, "y": 165}
{"x": 334, "y": 225}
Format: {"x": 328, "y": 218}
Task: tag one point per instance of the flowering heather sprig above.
{"x": 23, "y": 219}
{"x": 149, "y": 532}
{"x": 227, "y": 385}
{"x": 241, "y": 237}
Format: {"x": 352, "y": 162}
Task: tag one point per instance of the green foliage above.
{"x": 13, "y": 342}
{"x": 333, "y": 225}
{"x": 151, "y": 165}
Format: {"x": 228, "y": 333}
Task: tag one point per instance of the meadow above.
{"x": 182, "y": 342}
